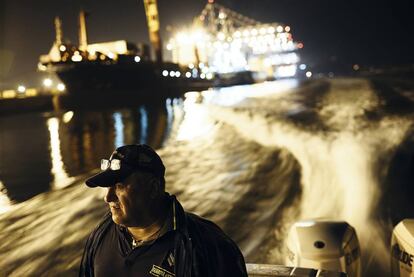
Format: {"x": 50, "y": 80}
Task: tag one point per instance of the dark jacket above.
{"x": 202, "y": 249}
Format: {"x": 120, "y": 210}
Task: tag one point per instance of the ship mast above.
{"x": 83, "y": 39}
{"x": 58, "y": 30}
{"x": 153, "y": 22}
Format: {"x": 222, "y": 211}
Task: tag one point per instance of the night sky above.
{"x": 336, "y": 32}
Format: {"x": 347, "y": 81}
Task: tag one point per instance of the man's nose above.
{"x": 110, "y": 195}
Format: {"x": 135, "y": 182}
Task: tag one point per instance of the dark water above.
{"x": 42, "y": 151}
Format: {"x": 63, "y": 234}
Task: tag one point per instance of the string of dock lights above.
{"x": 22, "y": 90}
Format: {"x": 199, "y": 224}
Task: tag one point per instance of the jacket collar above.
{"x": 179, "y": 220}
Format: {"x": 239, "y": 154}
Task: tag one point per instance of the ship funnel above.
{"x": 83, "y": 39}
{"x": 58, "y": 30}
{"x": 151, "y": 10}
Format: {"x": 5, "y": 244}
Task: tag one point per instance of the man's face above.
{"x": 130, "y": 200}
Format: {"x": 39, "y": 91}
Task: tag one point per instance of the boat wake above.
{"x": 353, "y": 141}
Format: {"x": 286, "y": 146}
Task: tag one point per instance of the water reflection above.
{"x": 144, "y": 124}
{"x": 43, "y": 151}
{"x": 196, "y": 121}
{"x": 119, "y": 130}
{"x": 229, "y": 96}
{"x": 5, "y": 203}
{"x": 60, "y": 177}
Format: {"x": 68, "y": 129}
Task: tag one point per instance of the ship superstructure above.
{"x": 224, "y": 41}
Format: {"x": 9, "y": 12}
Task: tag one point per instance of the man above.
{"x": 147, "y": 232}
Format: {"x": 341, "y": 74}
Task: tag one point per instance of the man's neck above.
{"x": 154, "y": 228}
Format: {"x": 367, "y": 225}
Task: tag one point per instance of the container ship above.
{"x": 221, "y": 48}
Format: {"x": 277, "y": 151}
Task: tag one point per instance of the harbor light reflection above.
{"x": 119, "y": 130}
{"x": 196, "y": 120}
{"x": 144, "y": 124}
{"x": 170, "y": 114}
{"x": 5, "y": 203}
{"x": 61, "y": 178}
{"x": 230, "y": 96}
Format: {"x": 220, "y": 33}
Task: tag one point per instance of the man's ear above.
{"x": 155, "y": 188}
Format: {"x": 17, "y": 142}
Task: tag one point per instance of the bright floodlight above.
{"x": 111, "y": 55}
{"x": 137, "y": 59}
{"x": 41, "y": 67}
{"x": 62, "y": 48}
{"x": 177, "y": 74}
{"x": 61, "y": 87}
{"x": 198, "y": 35}
{"x": 221, "y": 36}
{"x": 21, "y": 88}
{"x": 183, "y": 38}
{"x": 165, "y": 73}
{"x": 302, "y": 66}
{"x": 68, "y": 116}
{"x": 172, "y": 73}
{"x": 271, "y": 30}
{"x": 76, "y": 57}
{"x": 188, "y": 74}
{"x": 308, "y": 74}
{"x": 47, "y": 82}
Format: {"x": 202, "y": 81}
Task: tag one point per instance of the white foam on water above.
{"x": 338, "y": 161}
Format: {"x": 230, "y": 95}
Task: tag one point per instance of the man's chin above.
{"x": 117, "y": 219}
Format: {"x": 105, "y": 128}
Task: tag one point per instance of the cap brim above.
{"x": 108, "y": 178}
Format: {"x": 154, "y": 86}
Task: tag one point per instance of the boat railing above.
{"x": 269, "y": 270}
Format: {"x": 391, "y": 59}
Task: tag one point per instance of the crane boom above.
{"x": 151, "y": 10}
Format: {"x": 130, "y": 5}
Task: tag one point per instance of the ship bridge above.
{"x": 221, "y": 40}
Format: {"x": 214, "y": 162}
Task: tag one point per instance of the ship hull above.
{"x": 99, "y": 77}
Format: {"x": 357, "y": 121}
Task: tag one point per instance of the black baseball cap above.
{"x": 124, "y": 161}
